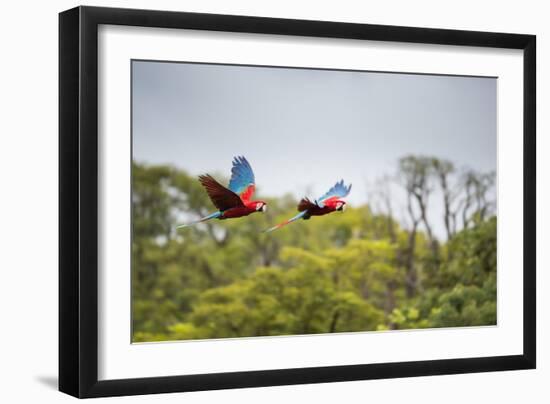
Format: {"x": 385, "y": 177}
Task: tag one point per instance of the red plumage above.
{"x": 312, "y": 209}
{"x": 228, "y": 202}
{"x": 233, "y": 201}
{"x": 328, "y": 203}
{"x": 237, "y": 212}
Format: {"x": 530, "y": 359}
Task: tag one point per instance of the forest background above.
{"x": 366, "y": 269}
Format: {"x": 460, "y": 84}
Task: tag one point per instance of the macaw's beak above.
{"x": 341, "y": 207}
{"x": 264, "y": 208}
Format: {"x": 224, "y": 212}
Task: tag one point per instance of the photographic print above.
{"x": 273, "y": 201}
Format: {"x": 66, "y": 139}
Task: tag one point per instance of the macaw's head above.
{"x": 261, "y": 206}
{"x": 338, "y": 205}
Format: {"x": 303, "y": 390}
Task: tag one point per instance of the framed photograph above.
{"x": 250, "y": 201}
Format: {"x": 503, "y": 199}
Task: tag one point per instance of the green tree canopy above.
{"x": 339, "y": 273}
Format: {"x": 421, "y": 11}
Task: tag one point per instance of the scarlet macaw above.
{"x": 234, "y": 201}
{"x": 328, "y": 203}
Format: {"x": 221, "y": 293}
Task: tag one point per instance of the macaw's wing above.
{"x": 221, "y": 197}
{"x": 298, "y": 216}
{"x": 339, "y": 190}
{"x": 305, "y": 204}
{"x": 242, "y": 179}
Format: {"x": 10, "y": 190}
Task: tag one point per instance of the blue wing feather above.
{"x": 339, "y": 190}
{"x": 214, "y": 215}
{"x": 242, "y": 175}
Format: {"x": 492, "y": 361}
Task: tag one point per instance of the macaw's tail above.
{"x": 298, "y": 216}
{"x": 204, "y": 219}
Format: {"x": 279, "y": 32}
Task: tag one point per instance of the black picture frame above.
{"x": 78, "y": 201}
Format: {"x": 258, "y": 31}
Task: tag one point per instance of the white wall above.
{"x": 28, "y": 200}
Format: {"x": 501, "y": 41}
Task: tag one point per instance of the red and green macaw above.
{"x": 328, "y": 203}
{"x": 234, "y": 201}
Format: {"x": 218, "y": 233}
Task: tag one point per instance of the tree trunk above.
{"x": 411, "y": 282}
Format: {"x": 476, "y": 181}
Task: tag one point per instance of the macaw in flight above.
{"x": 234, "y": 201}
{"x": 328, "y": 203}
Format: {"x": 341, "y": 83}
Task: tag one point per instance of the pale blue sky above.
{"x": 303, "y": 129}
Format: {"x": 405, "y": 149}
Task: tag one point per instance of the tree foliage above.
{"x": 357, "y": 271}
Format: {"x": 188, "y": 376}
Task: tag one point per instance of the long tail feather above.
{"x": 204, "y": 219}
{"x": 298, "y": 216}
